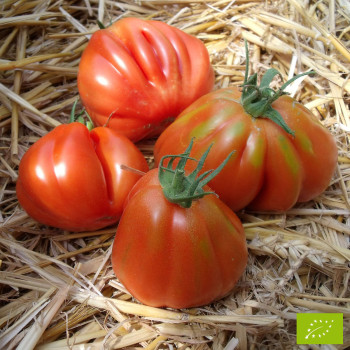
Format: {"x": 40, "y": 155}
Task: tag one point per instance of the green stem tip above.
{"x": 79, "y": 117}
{"x": 180, "y": 188}
{"x": 256, "y": 100}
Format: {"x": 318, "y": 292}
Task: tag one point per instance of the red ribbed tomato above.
{"x": 142, "y": 74}
{"x": 72, "y": 178}
{"x": 283, "y": 154}
{"x": 176, "y": 247}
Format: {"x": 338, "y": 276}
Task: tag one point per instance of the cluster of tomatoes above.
{"x": 177, "y": 243}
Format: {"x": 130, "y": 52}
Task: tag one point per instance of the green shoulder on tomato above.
{"x": 177, "y": 244}
{"x": 283, "y": 154}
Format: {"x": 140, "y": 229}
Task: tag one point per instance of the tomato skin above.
{"x": 71, "y": 178}
{"x": 270, "y": 170}
{"x": 171, "y": 256}
{"x": 142, "y": 73}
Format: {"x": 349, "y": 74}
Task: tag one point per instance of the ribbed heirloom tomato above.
{"x": 139, "y": 74}
{"x": 72, "y": 178}
{"x": 177, "y": 244}
{"x": 283, "y": 154}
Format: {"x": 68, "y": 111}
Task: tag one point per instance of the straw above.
{"x": 58, "y": 289}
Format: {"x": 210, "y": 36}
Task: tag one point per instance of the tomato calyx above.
{"x": 256, "y": 100}
{"x": 79, "y": 117}
{"x": 180, "y": 188}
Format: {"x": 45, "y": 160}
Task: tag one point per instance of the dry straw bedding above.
{"x": 58, "y": 290}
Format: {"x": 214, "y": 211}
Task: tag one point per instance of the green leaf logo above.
{"x": 317, "y": 328}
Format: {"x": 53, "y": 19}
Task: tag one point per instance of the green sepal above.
{"x": 257, "y": 99}
{"x": 276, "y": 117}
{"x": 101, "y": 25}
{"x": 268, "y": 77}
{"x": 180, "y": 188}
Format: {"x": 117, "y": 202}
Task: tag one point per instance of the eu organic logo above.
{"x": 318, "y": 328}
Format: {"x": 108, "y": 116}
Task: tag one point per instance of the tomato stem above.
{"x": 180, "y": 188}
{"x": 79, "y": 117}
{"x": 257, "y": 99}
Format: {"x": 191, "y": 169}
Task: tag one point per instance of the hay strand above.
{"x": 58, "y": 290}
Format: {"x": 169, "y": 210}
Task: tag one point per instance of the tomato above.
{"x": 281, "y": 157}
{"x": 71, "y": 178}
{"x": 138, "y": 75}
{"x": 176, "y": 253}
